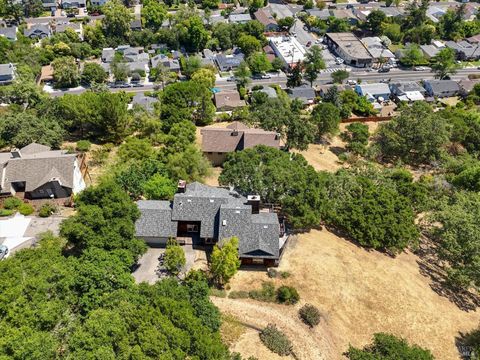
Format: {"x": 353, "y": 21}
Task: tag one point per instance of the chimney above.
{"x": 254, "y": 201}
{"x": 16, "y": 153}
{"x": 182, "y": 184}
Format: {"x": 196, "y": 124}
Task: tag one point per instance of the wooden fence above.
{"x": 367, "y": 119}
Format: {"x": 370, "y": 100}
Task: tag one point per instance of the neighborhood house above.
{"x": 204, "y": 215}
{"x": 37, "y": 172}
{"x": 217, "y": 142}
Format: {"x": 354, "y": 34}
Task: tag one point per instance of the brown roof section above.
{"x": 265, "y": 17}
{"x": 237, "y": 136}
{"x": 228, "y": 99}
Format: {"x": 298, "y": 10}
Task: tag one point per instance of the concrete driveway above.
{"x": 147, "y": 266}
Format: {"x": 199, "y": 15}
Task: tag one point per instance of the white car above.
{"x": 339, "y": 60}
{"x": 3, "y": 252}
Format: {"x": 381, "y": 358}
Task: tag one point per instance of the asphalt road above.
{"x": 281, "y": 79}
{"x": 46, "y": 19}
{"x": 302, "y": 35}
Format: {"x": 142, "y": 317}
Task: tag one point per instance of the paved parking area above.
{"x": 147, "y": 266}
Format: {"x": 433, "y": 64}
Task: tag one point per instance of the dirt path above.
{"x": 306, "y": 342}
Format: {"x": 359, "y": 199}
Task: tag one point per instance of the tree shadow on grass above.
{"x": 431, "y": 266}
{"x": 466, "y": 344}
{"x": 337, "y": 150}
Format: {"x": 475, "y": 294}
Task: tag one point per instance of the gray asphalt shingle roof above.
{"x": 155, "y": 219}
{"x": 38, "y": 165}
{"x": 223, "y": 213}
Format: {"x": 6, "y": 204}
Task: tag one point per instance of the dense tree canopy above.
{"x": 90, "y": 295}
{"x": 371, "y": 210}
{"x": 278, "y": 177}
{"x": 416, "y": 136}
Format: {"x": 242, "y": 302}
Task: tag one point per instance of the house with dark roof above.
{"x": 217, "y": 142}
{"x": 464, "y": 50}
{"x": 7, "y": 73}
{"x": 441, "y": 88}
{"x": 9, "y": 33}
{"x": 73, "y": 4}
{"x": 229, "y": 62}
{"x": 239, "y": 18}
{"x": 171, "y": 64}
{"x": 323, "y": 14}
{"x": 146, "y": 102}
{"x": 38, "y": 31}
{"x": 76, "y": 27}
{"x": 266, "y": 18}
{"x": 304, "y": 93}
{"x": 108, "y": 54}
{"x": 466, "y": 86}
{"x": 204, "y": 215}
{"x": 37, "y": 172}
{"x": 407, "y": 91}
{"x": 227, "y": 100}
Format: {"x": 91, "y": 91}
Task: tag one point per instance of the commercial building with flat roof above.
{"x": 288, "y": 49}
{"x": 349, "y": 48}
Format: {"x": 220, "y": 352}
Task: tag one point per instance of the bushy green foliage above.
{"x": 83, "y": 145}
{"x": 46, "y": 210}
{"x": 174, "y": 259}
{"x": 389, "y": 347}
{"x": 12, "y": 203}
{"x": 356, "y": 136}
{"x": 416, "y": 136}
{"x": 458, "y": 237}
{"x": 22, "y": 128}
{"x": 287, "y": 295}
{"x": 278, "y": 177}
{"x": 310, "y": 315}
{"x": 266, "y": 293}
{"x": 89, "y": 293}
{"x": 373, "y": 213}
{"x": 159, "y": 187}
{"x": 105, "y": 219}
{"x": 6, "y": 212}
{"x": 224, "y": 261}
{"x": 276, "y": 341}
{"x": 26, "y": 209}
{"x": 238, "y": 294}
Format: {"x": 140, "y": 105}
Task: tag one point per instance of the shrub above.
{"x": 272, "y": 273}
{"x": 108, "y": 147}
{"x": 285, "y": 274}
{"x": 218, "y": 293}
{"x": 287, "y": 295}
{"x": 25, "y": 209}
{"x": 310, "y": 315}
{"x": 46, "y": 210}
{"x": 276, "y": 341}
{"x": 83, "y": 145}
{"x": 267, "y": 293}
{"x": 6, "y": 212}
{"x": 99, "y": 156}
{"x": 238, "y": 295}
{"x": 12, "y": 203}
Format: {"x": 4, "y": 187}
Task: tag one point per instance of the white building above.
{"x": 288, "y": 49}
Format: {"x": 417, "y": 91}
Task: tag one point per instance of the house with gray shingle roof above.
{"x": 7, "y": 73}
{"x": 9, "y": 32}
{"x": 38, "y": 31}
{"x": 37, "y": 172}
{"x": 204, "y": 215}
{"x": 441, "y": 88}
{"x": 170, "y": 64}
